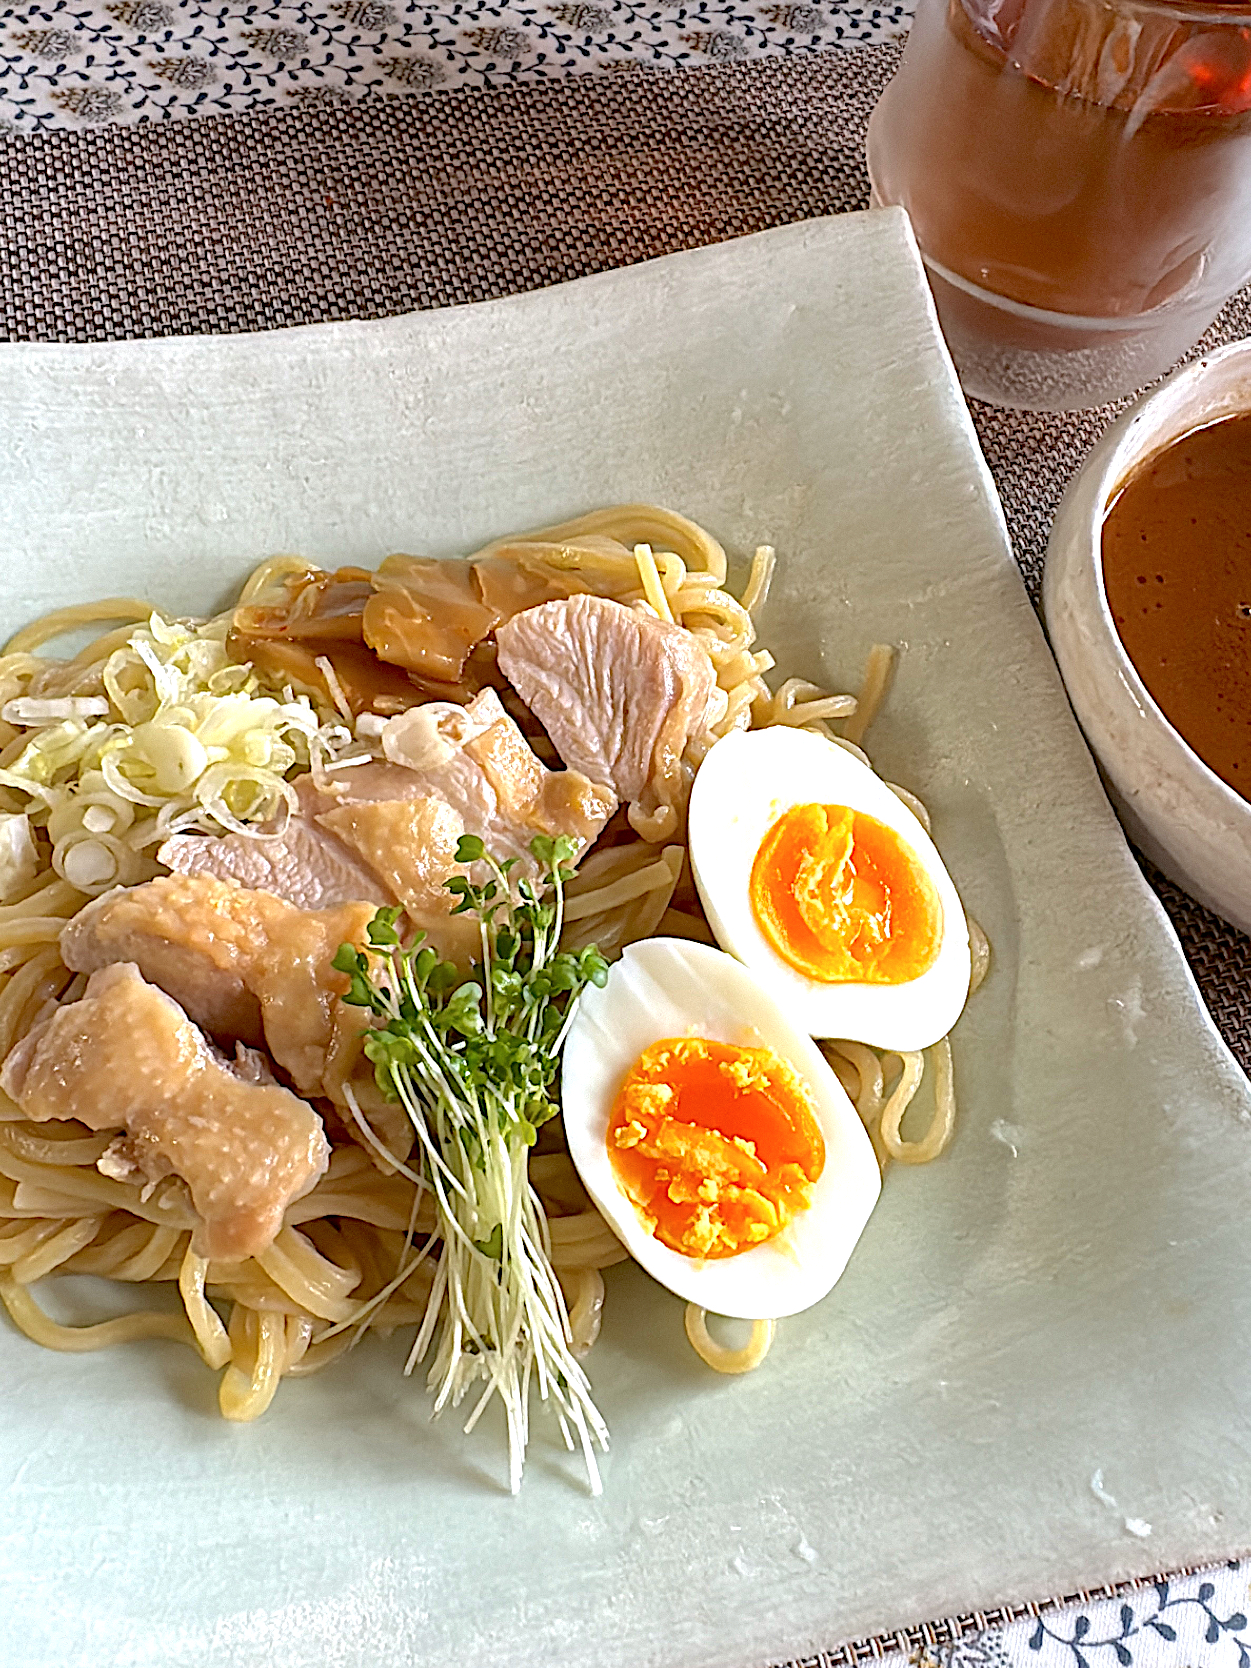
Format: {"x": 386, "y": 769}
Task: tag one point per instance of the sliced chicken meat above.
{"x": 389, "y": 834}
{"x": 126, "y": 1055}
{"x": 410, "y": 845}
{"x": 308, "y": 867}
{"x": 619, "y": 692}
{"x": 476, "y": 760}
{"x": 243, "y": 963}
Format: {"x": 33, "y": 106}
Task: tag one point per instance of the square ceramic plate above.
{"x": 1069, "y": 1290}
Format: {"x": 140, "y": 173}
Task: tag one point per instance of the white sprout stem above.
{"x": 570, "y": 1014}
{"x": 502, "y": 1320}
{"x": 488, "y": 990}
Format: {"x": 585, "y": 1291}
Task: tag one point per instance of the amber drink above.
{"x": 1078, "y": 173}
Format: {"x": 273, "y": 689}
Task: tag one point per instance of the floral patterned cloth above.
{"x": 71, "y": 63}
{"x": 1193, "y": 1621}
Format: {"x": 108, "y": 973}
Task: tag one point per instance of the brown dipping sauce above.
{"x": 1177, "y": 572}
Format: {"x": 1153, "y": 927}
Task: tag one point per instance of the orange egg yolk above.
{"x": 844, "y": 899}
{"x": 716, "y": 1146}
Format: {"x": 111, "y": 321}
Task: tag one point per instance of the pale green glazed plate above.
{"x": 1069, "y": 1290}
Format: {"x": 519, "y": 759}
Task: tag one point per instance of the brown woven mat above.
{"x": 249, "y": 222}
{"x": 257, "y": 221}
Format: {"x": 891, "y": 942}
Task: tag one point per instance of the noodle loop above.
{"x": 717, "y": 1356}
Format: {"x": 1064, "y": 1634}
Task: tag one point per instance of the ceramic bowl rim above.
{"x": 1123, "y": 459}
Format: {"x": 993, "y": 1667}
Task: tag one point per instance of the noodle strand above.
{"x": 717, "y": 1356}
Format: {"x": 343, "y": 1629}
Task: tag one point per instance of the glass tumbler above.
{"x": 1078, "y": 174}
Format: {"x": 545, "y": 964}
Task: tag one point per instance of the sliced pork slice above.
{"x": 126, "y": 1056}
{"x": 619, "y": 692}
{"x": 244, "y": 964}
{"x": 389, "y": 835}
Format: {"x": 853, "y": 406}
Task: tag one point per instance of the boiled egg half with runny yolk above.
{"x": 816, "y": 875}
{"x": 712, "y": 1135}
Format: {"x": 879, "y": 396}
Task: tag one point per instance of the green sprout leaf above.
{"x": 348, "y": 959}
{"x": 381, "y": 930}
{"x": 493, "y": 1244}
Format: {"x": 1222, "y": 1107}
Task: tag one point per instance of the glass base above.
{"x": 1012, "y": 355}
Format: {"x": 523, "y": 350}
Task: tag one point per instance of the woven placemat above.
{"x": 254, "y": 221}
{"x": 257, "y": 221}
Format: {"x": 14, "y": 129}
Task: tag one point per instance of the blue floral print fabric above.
{"x": 70, "y": 64}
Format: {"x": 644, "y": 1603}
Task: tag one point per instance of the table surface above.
{"x": 300, "y": 207}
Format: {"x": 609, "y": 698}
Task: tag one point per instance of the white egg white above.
{"x": 670, "y": 987}
{"x": 743, "y": 786}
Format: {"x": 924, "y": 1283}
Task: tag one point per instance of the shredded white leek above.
{"x": 180, "y": 740}
{"x": 19, "y": 856}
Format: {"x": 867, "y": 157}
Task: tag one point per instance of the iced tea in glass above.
{"x": 1078, "y": 173}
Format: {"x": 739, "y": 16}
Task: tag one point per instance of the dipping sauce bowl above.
{"x": 1175, "y": 808}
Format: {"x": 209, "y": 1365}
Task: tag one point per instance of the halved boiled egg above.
{"x": 712, "y": 1135}
{"x": 816, "y": 875}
